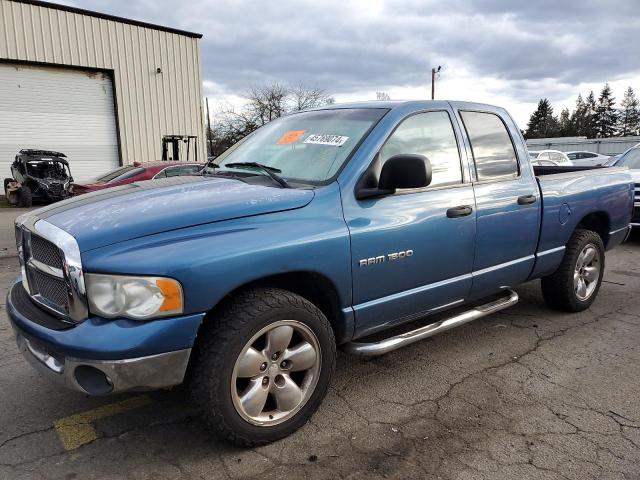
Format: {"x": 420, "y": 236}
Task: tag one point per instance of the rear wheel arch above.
{"x": 598, "y": 222}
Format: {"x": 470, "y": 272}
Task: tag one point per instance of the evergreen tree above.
{"x": 542, "y": 123}
{"x": 565, "y": 129}
{"x": 606, "y": 116}
{"x": 629, "y": 118}
{"x": 589, "y": 128}
{"x": 579, "y": 118}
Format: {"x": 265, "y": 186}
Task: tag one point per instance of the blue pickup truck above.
{"x": 361, "y": 226}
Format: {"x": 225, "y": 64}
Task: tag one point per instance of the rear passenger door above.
{"x": 507, "y": 202}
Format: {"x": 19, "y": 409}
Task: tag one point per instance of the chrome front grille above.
{"x": 52, "y": 289}
{"x": 51, "y": 268}
{"x": 46, "y": 252}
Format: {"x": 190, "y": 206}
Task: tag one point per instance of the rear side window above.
{"x": 430, "y": 134}
{"x": 493, "y": 151}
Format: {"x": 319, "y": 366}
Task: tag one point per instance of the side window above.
{"x": 430, "y": 134}
{"x": 162, "y": 174}
{"x": 189, "y": 170}
{"x": 588, "y": 155}
{"x": 172, "y": 172}
{"x": 491, "y": 145}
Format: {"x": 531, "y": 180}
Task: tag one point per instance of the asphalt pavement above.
{"x": 528, "y": 393}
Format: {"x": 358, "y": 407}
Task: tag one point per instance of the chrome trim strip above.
{"x": 613, "y": 232}
{"x": 503, "y": 265}
{"x": 550, "y": 251}
{"x": 441, "y": 283}
{"x": 412, "y": 291}
{"x": 392, "y": 343}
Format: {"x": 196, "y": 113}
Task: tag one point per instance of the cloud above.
{"x": 526, "y": 49}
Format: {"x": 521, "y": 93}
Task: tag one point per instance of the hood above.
{"x": 143, "y": 208}
{"x": 635, "y": 174}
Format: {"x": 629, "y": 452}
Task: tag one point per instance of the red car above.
{"x": 137, "y": 172}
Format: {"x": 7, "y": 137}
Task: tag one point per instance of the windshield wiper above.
{"x": 271, "y": 171}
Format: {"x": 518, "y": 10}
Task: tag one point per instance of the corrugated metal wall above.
{"x": 149, "y": 104}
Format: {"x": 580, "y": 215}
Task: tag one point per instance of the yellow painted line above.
{"x": 76, "y": 430}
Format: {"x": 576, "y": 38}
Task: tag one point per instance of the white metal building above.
{"x": 103, "y": 90}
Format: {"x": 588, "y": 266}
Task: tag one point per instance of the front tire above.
{"x": 25, "y": 197}
{"x": 573, "y": 287}
{"x": 262, "y": 366}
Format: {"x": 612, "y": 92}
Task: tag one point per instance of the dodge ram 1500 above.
{"x": 338, "y": 226}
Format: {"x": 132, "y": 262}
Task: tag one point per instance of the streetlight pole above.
{"x": 433, "y": 81}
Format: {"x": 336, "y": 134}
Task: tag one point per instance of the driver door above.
{"x": 412, "y": 252}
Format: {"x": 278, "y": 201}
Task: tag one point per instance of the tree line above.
{"x": 263, "y": 104}
{"x": 591, "y": 117}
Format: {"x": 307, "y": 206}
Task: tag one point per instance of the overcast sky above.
{"x": 509, "y": 53}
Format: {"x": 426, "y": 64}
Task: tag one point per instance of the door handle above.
{"x": 461, "y": 211}
{"x": 526, "y": 199}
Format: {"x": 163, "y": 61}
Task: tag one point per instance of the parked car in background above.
{"x": 38, "y": 175}
{"x": 559, "y": 158}
{"x": 583, "y": 158}
{"x": 136, "y": 173}
{"x": 631, "y": 160}
{"x": 543, "y": 163}
{"x": 321, "y": 229}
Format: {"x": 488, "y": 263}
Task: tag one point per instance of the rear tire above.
{"x": 248, "y": 356}
{"x": 25, "y": 197}
{"x": 574, "y": 286}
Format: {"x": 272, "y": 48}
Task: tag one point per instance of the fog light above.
{"x": 92, "y": 380}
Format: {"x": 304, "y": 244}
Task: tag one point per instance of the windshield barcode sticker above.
{"x": 333, "y": 140}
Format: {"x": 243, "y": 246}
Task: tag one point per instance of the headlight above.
{"x": 138, "y": 298}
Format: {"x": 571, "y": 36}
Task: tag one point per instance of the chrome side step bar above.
{"x": 392, "y": 343}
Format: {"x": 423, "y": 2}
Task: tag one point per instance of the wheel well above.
{"x": 597, "y": 222}
{"x": 316, "y": 288}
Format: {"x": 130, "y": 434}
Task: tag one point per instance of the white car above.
{"x": 556, "y": 156}
{"x": 583, "y": 158}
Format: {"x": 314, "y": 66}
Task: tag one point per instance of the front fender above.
{"x": 214, "y": 259}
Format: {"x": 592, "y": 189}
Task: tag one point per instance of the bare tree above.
{"x": 267, "y": 102}
{"x": 382, "y": 96}
{"x": 264, "y": 104}
{"x": 302, "y": 97}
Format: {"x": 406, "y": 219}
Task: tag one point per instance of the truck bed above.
{"x": 597, "y": 196}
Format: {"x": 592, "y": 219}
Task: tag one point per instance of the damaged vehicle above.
{"x": 38, "y": 175}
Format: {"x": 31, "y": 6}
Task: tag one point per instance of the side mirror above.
{"x": 400, "y": 171}
{"x": 405, "y": 171}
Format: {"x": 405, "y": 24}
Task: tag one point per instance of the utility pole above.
{"x": 210, "y": 152}
{"x": 433, "y": 81}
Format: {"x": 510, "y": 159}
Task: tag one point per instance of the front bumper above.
{"x": 103, "y": 377}
{"x": 100, "y": 356}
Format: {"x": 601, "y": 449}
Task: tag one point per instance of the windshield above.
{"x": 309, "y": 146}
{"x": 118, "y": 174}
{"x": 630, "y": 159}
{"x": 47, "y": 169}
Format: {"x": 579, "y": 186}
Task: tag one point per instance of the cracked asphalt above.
{"x": 527, "y": 393}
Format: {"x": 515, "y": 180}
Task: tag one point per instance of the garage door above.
{"x": 66, "y": 110}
